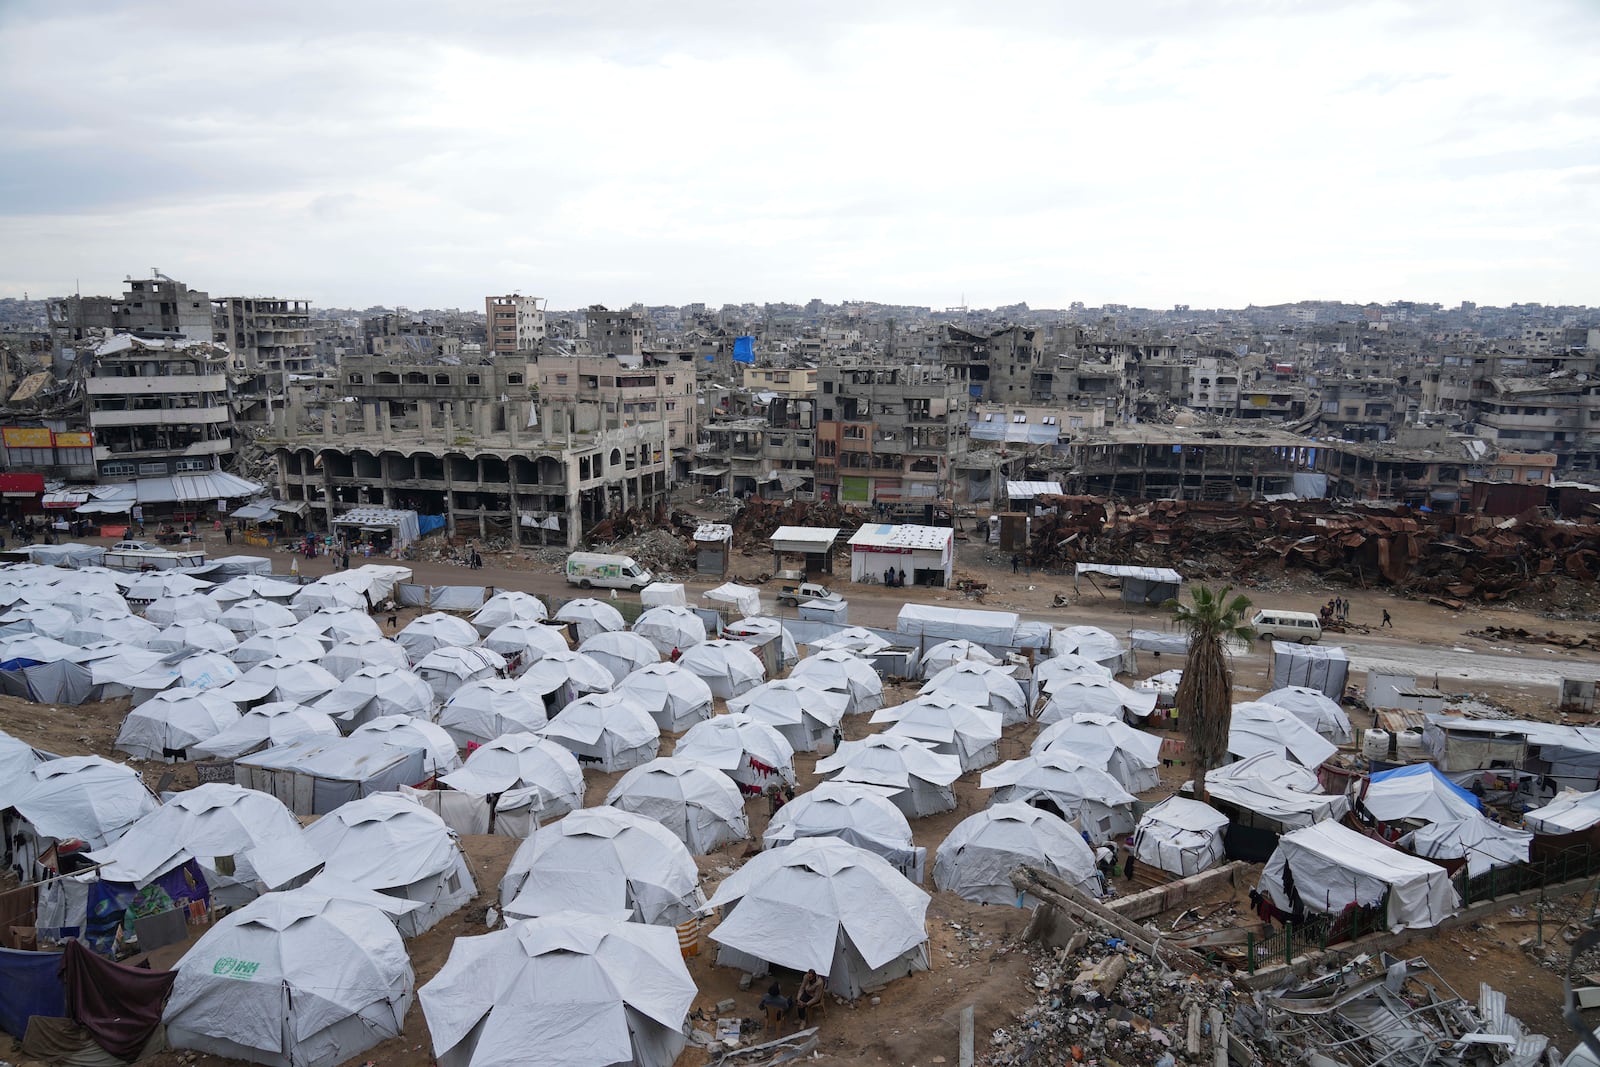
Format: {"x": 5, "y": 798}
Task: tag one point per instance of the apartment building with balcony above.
{"x": 158, "y": 407}
{"x": 890, "y": 433}
{"x": 266, "y": 335}
{"x": 612, "y": 333}
{"x": 516, "y": 323}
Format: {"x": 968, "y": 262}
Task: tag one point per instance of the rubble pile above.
{"x": 617, "y": 528}
{"x": 757, "y": 520}
{"x": 1517, "y": 633}
{"x": 661, "y": 552}
{"x": 1451, "y": 557}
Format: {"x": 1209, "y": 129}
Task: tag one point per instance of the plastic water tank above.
{"x": 1408, "y": 745}
{"x": 1375, "y": 744}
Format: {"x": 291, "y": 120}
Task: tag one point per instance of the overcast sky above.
{"x": 667, "y": 151}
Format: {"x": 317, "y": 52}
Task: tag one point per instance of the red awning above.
{"x": 21, "y": 485}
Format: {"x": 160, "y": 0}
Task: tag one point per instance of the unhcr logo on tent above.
{"x": 228, "y": 967}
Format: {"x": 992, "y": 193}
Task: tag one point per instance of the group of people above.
{"x": 1105, "y": 865}
{"x": 1337, "y": 608}
{"x": 807, "y": 998}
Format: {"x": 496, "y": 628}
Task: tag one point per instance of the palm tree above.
{"x": 1205, "y": 695}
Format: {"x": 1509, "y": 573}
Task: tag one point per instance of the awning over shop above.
{"x": 255, "y": 511}
{"x": 19, "y": 485}
{"x": 1029, "y": 490}
{"x": 194, "y": 488}
{"x": 66, "y": 498}
{"x": 293, "y": 507}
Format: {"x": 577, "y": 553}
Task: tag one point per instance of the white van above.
{"x": 590, "y": 569}
{"x": 1274, "y": 624}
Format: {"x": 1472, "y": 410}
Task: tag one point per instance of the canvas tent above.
{"x": 166, "y": 725}
{"x": 276, "y": 723}
{"x": 858, "y": 814}
{"x": 526, "y": 639}
{"x": 846, "y": 673}
{"x": 760, "y": 629}
{"x": 1327, "y": 867}
{"x": 347, "y": 657}
{"x": 433, "y": 631}
{"x": 1258, "y": 728}
{"x": 982, "y": 686}
{"x": 481, "y": 711}
{"x": 805, "y": 716}
{"x": 565, "y": 990}
{"x": 448, "y": 669}
{"x": 84, "y": 797}
{"x": 296, "y": 979}
{"x": 1312, "y": 707}
{"x": 1060, "y": 782}
{"x": 744, "y": 600}
{"x": 856, "y": 639}
{"x": 1271, "y": 791}
{"x": 603, "y": 861}
{"x": 1324, "y": 668}
{"x": 1417, "y": 792}
{"x": 1570, "y": 812}
{"x": 672, "y": 696}
{"x": 439, "y": 755}
{"x": 1140, "y": 585}
{"x": 825, "y": 905}
{"x": 670, "y": 628}
{"x": 1094, "y": 644}
{"x": 563, "y": 676}
{"x": 977, "y": 857}
{"x": 589, "y": 616}
{"x": 1483, "y": 844}
{"x": 949, "y": 653}
{"x": 695, "y": 801}
{"x": 1085, "y": 692}
{"x": 753, "y": 754}
{"x": 508, "y": 605}
{"x": 606, "y": 731}
{"x": 317, "y": 775}
{"x": 728, "y": 667}
{"x": 534, "y": 779}
{"x": 921, "y": 778}
{"x": 1181, "y": 836}
{"x": 284, "y": 643}
{"x": 391, "y": 845}
{"x": 620, "y": 652}
{"x": 971, "y": 734}
{"x": 929, "y": 624}
{"x": 1132, "y": 757}
{"x": 373, "y": 692}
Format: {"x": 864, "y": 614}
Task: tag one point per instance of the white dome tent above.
{"x": 264, "y": 725}
{"x": 982, "y": 686}
{"x": 1181, "y": 836}
{"x": 535, "y": 779}
{"x": 1314, "y": 708}
{"x": 373, "y": 692}
{"x": 842, "y": 672}
{"x": 1482, "y": 843}
{"x": 590, "y": 616}
{"x": 697, "y": 803}
{"x": 330, "y": 979}
{"x": 949, "y": 653}
{"x": 858, "y": 814}
{"x": 728, "y": 667}
{"x": 1052, "y": 672}
{"x": 197, "y": 636}
{"x": 759, "y": 629}
{"x": 158, "y": 584}
{"x": 448, "y": 669}
{"x": 128, "y": 630}
{"x": 84, "y": 797}
{"x": 806, "y": 716}
{"x": 252, "y": 587}
{"x": 332, "y": 627}
{"x": 252, "y": 834}
{"x": 508, "y": 605}
{"x": 562, "y": 677}
{"x": 620, "y": 652}
{"x": 527, "y": 641}
{"x": 279, "y": 679}
{"x": 976, "y": 859}
{"x": 856, "y": 640}
{"x": 1092, "y": 643}
{"x": 17, "y": 760}
{"x": 284, "y": 643}
{"x": 1103, "y": 696}
{"x": 603, "y": 861}
{"x": 1131, "y": 756}
{"x": 319, "y": 597}
{"x": 670, "y": 627}
{"x": 751, "y": 753}
{"x": 920, "y": 777}
{"x": 606, "y": 731}
{"x": 566, "y": 990}
{"x": 43, "y": 619}
{"x": 1060, "y": 782}
{"x": 203, "y": 670}
{"x": 672, "y": 696}
{"x": 347, "y": 657}
{"x": 190, "y": 607}
{"x": 432, "y": 631}
{"x": 822, "y": 904}
{"x": 249, "y": 617}
{"x": 388, "y": 844}
{"x": 439, "y": 755}
{"x": 971, "y": 734}
{"x": 479, "y": 712}
{"x": 1258, "y": 728}
{"x": 88, "y": 604}
{"x": 166, "y": 725}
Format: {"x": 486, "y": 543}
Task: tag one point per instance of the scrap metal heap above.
{"x": 1465, "y": 557}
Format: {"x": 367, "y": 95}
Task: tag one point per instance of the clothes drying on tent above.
{"x": 1327, "y": 867}
{"x": 754, "y": 755}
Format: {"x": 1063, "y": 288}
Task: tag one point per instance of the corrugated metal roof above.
{"x": 887, "y": 535}
{"x": 804, "y": 538}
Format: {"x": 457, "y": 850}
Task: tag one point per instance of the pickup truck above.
{"x": 798, "y": 591}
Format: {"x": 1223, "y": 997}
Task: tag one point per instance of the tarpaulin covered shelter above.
{"x": 759, "y": 629}
{"x": 748, "y": 751}
{"x": 253, "y": 587}
{"x": 280, "y": 679}
{"x": 1568, "y": 813}
{"x": 675, "y": 698}
{"x": 563, "y": 676}
{"x": 982, "y": 686}
{"x": 855, "y": 639}
{"x": 921, "y": 778}
{"x": 1084, "y": 692}
{"x": 744, "y": 600}
{"x": 977, "y": 857}
{"x": 347, "y": 657}
{"x": 606, "y": 731}
{"x": 528, "y": 640}
{"x": 971, "y": 734}
{"x": 481, "y": 711}
{"x": 186, "y": 606}
{"x": 804, "y": 715}
{"x": 1092, "y": 643}
{"x": 391, "y": 845}
{"x": 1418, "y": 792}
{"x": 509, "y": 605}
{"x": 1327, "y": 867}
{"x": 695, "y": 801}
{"x": 1140, "y": 585}
{"x": 1324, "y": 668}
{"x": 275, "y": 723}
{"x": 1131, "y": 756}
{"x": 1181, "y": 836}
{"x": 296, "y": 979}
{"x": 317, "y": 775}
{"x": 333, "y": 625}
{"x": 1061, "y": 782}
{"x": 861, "y": 815}
{"x": 373, "y": 692}
{"x": 565, "y": 990}
{"x": 620, "y": 652}
{"x": 1314, "y": 708}
{"x": 536, "y": 780}
{"x": 402, "y": 527}
{"x": 603, "y": 861}
{"x": 196, "y": 636}
{"x": 949, "y": 653}
{"x": 843, "y": 672}
{"x": 319, "y": 597}
{"x": 589, "y": 616}
{"x": 439, "y": 755}
{"x": 1258, "y": 727}
{"x": 1271, "y": 789}
{"x": 822, "y": 904}
{"x": 929, "y": 624}
{"x": 284, "y": 644}
{"x": 1483, "y": 844}
{"x": 163, "y": 727}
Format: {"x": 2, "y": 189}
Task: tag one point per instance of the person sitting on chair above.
{"x": 775, "y": 1004}
{"x": 809, "y": 995}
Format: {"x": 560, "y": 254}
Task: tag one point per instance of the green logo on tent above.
{"x": 228, "y": 967}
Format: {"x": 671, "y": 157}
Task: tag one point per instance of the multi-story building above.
{"x": 161, "y": 307}
{"x": 516, "y": 323}
{"x": 158, "y": 407}
{"x": 1361, "y": 409}
{"x": 613, "y": 333}
{"x": 792, "y": 382}
{"x": 266, "y": 335}
{"x": 380, "y": 381}
{"x": 402, "y": 335}
{"x": 891, "y": 434}
{"x": 1214, "y": 386}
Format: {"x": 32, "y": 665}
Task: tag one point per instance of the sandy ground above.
{"x": 974, "y": 961}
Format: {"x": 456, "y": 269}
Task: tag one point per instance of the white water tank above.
{"x": 1408, "y": 745}
{"x": 1375, "y": 744}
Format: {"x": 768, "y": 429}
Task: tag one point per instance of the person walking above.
{"x": 1016, "y": 563}
{"x": 1387, "y": 621}
{"x": 227, "y": 533}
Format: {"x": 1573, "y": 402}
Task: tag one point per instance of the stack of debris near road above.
{"x": 1112, "y": 992}
{"x": 1461, "y": 557}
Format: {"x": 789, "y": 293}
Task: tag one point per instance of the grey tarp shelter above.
{"x": 314, "y": 776}
{"x": 1140, "y": 585}
{"x": 1321, "y": 667}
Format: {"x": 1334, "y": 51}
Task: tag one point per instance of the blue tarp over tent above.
{"x": 1414, "y": 769}
{"x": 32, "y": 987}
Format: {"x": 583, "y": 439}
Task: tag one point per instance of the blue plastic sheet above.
{"x": 744, "y": 349}
{"x": 32, "y": 987}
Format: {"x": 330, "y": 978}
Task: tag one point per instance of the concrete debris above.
{"x": 1517, "y": 633}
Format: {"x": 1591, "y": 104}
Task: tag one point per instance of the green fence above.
{"x": 1580, "y": 861}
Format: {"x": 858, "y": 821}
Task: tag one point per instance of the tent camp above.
{"x": 1180, "y": 836}
{"x": 1275, "y": 793}
{"x": 982, "y": 686}
{"x": 373, "y": 692}
{"x": 448, "y": 669}
{"x": 976, "y": 859}
{"x": 565, "y": 990}
{"x": 84, "y": 797}
{"x": 284, "y": 643}
{"x": 606, "y": 731}
{"x": 1327, "y": 867}
{"x": 728, "y": 667}
{"x": 842, "y": 672}
{"x": 439, "y": 755}
{"x": 949, "y": 653}
{"x": 620, "y": 652}
{"x": 479, "y": 712}
{"x": 822, "y": 904}
{"x": 432, "y": 631}
{"x": 1060, "y": 782}
{"x": 1132, "y": 757}
{"x": 387, "y": 844}
{"x": 535, "y": 779}
{"x": 748, "y": 751}
{"x": 1084, "y": 692}
{"x": 695, "y": 801}
{"x": 921, "y": 778}
{"x": 1481, "y": 843}
{"x": 347, "y": 657}
{"x": 276, "y": 723}
{"x": 969, "y": 733}
{"x": 856, "y": 813}
{"x": 1417, "y": 792}
{"x": 673, "y": 697}
{"x": 589, "y": 616}
{"x": 604, "y": 861}
{"x": 166, "y": 725}
{"x": 805, "y": 716}
{"x": 1312, "y": 707}
{"x": 296, "y": 979}
{"x": 670, "y": 628}
{"x": 509, "y": 605}
{"x": 246, "y": 842}
{"x": 317, "y": 775}
{"x": 1258, "y": 727}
